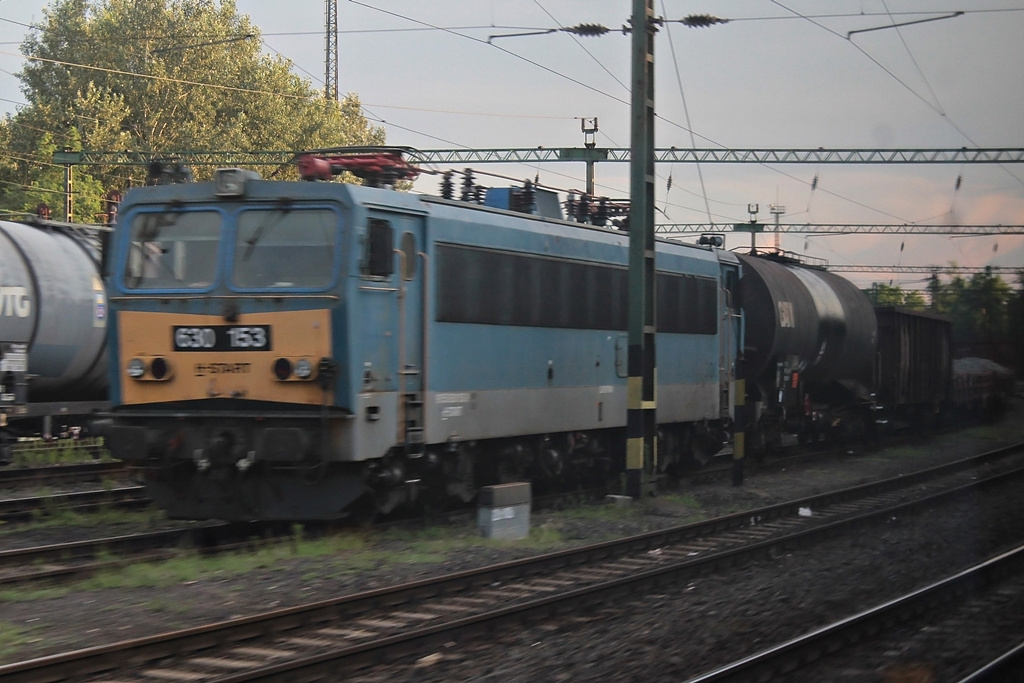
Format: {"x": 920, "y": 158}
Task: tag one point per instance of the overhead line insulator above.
{"x": 587, "y": 29}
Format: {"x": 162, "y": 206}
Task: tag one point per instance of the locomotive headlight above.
{"x": 282, "y": 369}
{"x": 159, "y": 368}
{"x": 230, "y": 182}
{"x": 290, "y": 369}
{"x": 303, "y": 369}
{"x": 136, "y": 368}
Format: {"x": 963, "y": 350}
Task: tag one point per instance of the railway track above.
{"x": 329, "y": 637}
{"x": 31, "y": 507}
{"x": 60, "y": 474}
{"x": 66, "y": 561}
{"x": 987, "y": 598}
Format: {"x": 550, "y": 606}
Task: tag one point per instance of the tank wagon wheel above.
{"x": 810, "y": 432}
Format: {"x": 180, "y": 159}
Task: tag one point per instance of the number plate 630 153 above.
{"x": 222, "y": 338}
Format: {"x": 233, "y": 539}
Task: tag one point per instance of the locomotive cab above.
{"x": 226, "y": 305}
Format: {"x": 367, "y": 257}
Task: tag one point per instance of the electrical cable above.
{"x": 686, "y": 112}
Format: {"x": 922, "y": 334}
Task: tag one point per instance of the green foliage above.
{"x": 155, "y": 76}
{"x": 979, "y": 306}
{"x": 987, "y": 313}
{"x": 61, "y": 452}
{"x": 882, "y": 294}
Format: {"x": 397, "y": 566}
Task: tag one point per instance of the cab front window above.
{"x": 285, "y": 247}
{"x": 173, "y": 250}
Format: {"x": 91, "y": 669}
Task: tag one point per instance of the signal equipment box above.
{"x": 504, "y": 511}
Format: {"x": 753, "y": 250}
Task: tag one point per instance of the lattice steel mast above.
{"x": 331, "y": 56}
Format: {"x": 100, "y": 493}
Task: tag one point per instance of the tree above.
{"x": 986, "y": 314}
{"x": 160, "y": 76}
{"x": 42, "y": 182}
{"x": 882, "y": 294}
{"x": 1015, "y": 313}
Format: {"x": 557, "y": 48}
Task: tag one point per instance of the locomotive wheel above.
{"x": 668, "y": 451}
{"x": 509, "y": 466}
{"x": 459, "y": 472}
{"x": 385, "y": 502}
{"x": 552, "y": 463}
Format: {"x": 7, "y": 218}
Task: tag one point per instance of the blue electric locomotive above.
{"x": 292, "y": 350}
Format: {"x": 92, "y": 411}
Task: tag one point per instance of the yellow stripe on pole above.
{"x": 739, "y": 443}
{"x": 635, "y": 392}
{"x": 635, "y": 453}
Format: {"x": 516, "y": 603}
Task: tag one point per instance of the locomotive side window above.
{"x": 173, "y": 250}
{"x": 380, "y": 248}
{"x": 285, "y": 247}
{"x": 502, "y": 288}
{"x": 687, "y": 304}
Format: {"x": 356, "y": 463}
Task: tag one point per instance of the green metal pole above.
{"x": 641, "y": 418}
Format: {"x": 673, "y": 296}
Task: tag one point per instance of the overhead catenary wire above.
{"x": 381, "y": 119}
{"x": 913, "y": 59}
{"x": 597, "y": 90}
{"x": 938, "y": 110}
{"x": 689, "y": 125}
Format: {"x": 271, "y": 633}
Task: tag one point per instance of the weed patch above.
{"x": 41, "y": 453}
{"x": 12, "y": 638}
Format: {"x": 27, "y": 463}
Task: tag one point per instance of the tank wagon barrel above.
{"x": 813, "y": 322}
{"x": 53, "y": 316}
{"x": 810, "y": 345}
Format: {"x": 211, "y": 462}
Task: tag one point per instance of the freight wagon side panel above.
{"x": 914, "y": 359}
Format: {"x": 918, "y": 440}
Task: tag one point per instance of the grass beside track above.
{"x": 60, "y": 518}
{"x": 12, "y": 638}
{"x": 39, "y": 453}
{"x": 338, "y": 555}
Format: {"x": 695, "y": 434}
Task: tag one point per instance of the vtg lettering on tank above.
{"x": 15, "y": 302}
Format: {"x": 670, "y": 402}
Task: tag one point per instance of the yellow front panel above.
{"x": 247, "y": 374}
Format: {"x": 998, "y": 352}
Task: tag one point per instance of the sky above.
{"x": 782, "y": 74}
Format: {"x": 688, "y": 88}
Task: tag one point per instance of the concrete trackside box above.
{"x": 504, "y": 511}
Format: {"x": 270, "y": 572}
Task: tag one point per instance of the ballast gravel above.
{"x": 670, "y": 636}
